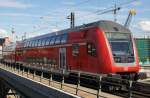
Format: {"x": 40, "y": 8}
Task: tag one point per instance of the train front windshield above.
{"x": 121, "y": 46}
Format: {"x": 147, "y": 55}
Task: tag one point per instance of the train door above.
{"x": 62, "y": 58}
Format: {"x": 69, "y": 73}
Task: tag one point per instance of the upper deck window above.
{"x": 32, "y": 45}
{"x": 57, "y": 41}
{"x": 36, "y": 43}
{"x": 64, "y": 38}
{"x": 48, "y": 40}
{"x": 26, "y": 43}
{"x": 52, "y": 40}
{"x": 39, "y": 42}
{"x": 43, "y": 41}
{"x": 29, "y": 44}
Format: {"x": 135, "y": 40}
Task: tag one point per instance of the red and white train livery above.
{"x": 102, "y": 47}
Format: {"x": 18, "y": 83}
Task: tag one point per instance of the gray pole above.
{"x": 71, "y": 17}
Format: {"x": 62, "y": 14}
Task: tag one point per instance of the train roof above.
{"x": 107, "y": 26}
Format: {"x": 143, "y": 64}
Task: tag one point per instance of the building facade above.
{"x": 143, "y": 47}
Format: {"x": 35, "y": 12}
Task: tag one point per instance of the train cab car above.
{"x": 108, "y": 48}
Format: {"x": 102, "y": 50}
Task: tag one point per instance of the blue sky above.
{"x": 36, "y": 17}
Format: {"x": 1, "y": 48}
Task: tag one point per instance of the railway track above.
{"x": 141, "y": 89}
{"x": 133, "y": 90}
{"x": 145, "y": 69}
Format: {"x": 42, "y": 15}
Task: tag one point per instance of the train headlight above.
{"x": 117, "y": 59}
{"x": 130, "y": 59}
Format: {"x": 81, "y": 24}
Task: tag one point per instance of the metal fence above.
{"x": 96, "y": 87}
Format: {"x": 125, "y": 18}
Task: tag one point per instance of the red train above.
{"x": 102, "y": 47}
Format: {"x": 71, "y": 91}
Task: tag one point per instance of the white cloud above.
{"x": 3, "y": 33}
{"x": 70, "y": 3}
{"x": 145, "y": 25}
{"x": 55, "y": 30}
{"x": 137, "y": 3}
{"x": 18, "y": 15}
{"x": 13, "y": 4}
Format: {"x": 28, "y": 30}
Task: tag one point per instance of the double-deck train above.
{"x": 102, "y": 47}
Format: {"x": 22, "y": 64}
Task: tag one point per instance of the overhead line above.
{"x": 82, "y": 2}
{"x": 79, "y": 3}
{"x": 103, "y": 11}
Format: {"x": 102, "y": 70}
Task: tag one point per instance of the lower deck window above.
{"x": 91, "y": 49}
{"x": 75, "y": 49}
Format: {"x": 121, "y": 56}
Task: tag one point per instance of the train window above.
{"x": 52, "y": 40}
{"x": 49, "y": 61}
{"x": 75, "y": 49}
{"x": 29, "y": 59}
{"x": 26, "y": 44}
{"x": 29, "y": 44}
{"x": 53, "y": 61}
{"x": 39, "y": 42}
{"x": 44, "y": 60}
{"x": 33, "y": 60}
{"x": 40, "y": 60}
{"x": 91, "y": 49}
{"x": 47, "y": 41}
{"x": 64, "y": 38}
{"x": 32, "y": 44}
{"x": 43, "y": 41}
{"x": 36, "y": 61}
{"x": 36, "y": 43}
{"x": 57, "y": 41}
